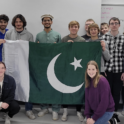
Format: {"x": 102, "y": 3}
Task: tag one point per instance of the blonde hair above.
{"x": 94, "y": 25}
{"x": 95, "y": 79}
{"x": 73, "y": 23}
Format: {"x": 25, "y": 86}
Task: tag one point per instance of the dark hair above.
{"x": 21, "y": 17}
{"x": 46, "y": 17}
{"x": 115, "y": 19}
{"x": 3, "y": 64}
{"x": 4, "y": 17}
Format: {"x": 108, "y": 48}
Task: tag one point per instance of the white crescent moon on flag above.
{"x": 55, "y": 83}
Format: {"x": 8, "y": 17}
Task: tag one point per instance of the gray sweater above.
{"x": 14, "y": 35}
{"x": 105, "y": 54}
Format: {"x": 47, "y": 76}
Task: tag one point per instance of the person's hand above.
{"x": 54, "y": 42}
{"x": 90, "y": 121}
{"x": 103, "y": 45}
{"x": 70, "y": 41}
{"x": 2, "y": 41}
{"x": 37, "y": 41}
{"x": 4, "y": 105}
{"x": 122, "y": 77}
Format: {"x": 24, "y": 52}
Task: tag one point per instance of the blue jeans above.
{"x": 105, "y": 118}
{"x": 28, "y": 106}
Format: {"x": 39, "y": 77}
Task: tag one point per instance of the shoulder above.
{"x": 9, "y": 79}
{"x": 56, "y": 32}
{"x": 81, "y": 38}
{"x": 40, "y": 33}
{"x": 103, "y": 82}
{"x": 64, "y": 39}
{"x": 27, "y": 32}
{"x": 10, "y": 31}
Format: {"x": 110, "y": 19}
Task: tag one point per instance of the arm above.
{"x": 87, "y": 111}
{"x": 36, "y": 40}
{"x": 59, "y": 39}
{"x": 11, "y": 94}
{"x": 104, "y": 92}
{"x": 31, "y": 38}
{"x": 105, "y": 53}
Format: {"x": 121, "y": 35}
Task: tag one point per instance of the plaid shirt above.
{"x": 116, "y": 47}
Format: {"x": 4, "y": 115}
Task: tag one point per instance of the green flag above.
{"x": 57, "y": 71}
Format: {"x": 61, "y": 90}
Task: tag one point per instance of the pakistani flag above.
{"x": 50, "y": 73}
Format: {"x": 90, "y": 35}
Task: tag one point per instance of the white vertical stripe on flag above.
{"x": 16, "y": 54}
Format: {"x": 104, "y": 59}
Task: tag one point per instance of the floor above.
{"x": 20, "y": 118}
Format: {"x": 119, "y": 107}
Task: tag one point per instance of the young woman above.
{"x": 99, "y": 103}
{"x": 7, "y": 94}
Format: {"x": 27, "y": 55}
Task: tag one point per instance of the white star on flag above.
{"x": 76, "y": 63}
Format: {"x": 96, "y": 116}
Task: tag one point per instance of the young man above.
{"x": 3, "y": 24}
{"x": 114, "y": 66}
{"x": 20, "y": 33}
{"x": 87, "y": 23}
{"x": 104, "y": 28}
{"x": 7, "y": 93}
{"x": 73, "y": 37}
{"x": 48, "y": 36}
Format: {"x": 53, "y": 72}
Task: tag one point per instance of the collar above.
{"x": 48, "y": 32}
{"x": 5, "y": 78}
{"x": 109, "y": 33}
{"x": 5, "y": 31}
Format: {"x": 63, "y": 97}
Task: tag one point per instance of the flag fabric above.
{"x": 50, "y": 73}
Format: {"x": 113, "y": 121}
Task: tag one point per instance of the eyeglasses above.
{"x": 114, "y": 23}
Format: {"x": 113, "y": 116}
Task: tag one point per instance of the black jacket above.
{"x": 8, "y": 89}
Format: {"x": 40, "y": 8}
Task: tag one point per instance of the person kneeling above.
{"x": 99, "y": 103}
{"x": 7, "y": 93}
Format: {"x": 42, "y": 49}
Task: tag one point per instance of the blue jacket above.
{"x": 8, "y": 89}
{"x": 1, "y": 46}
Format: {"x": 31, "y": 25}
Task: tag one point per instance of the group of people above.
{"x": 102, "y": 89}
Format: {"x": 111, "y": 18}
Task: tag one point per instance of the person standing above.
{"x": 48, "y": 35}
{"x": 21, "y": 33}
{"x": 114, "y": 67}
{"x": 87, "y": 23}
{"x": 73, "y": 37}
{"x": 3, "y": 24}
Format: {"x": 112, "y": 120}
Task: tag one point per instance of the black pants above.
{"x": 12, "y": 109}
{"x": 115, "y": 82}
{"x": 123, "y": 94}
{"x": 78, "y": 107}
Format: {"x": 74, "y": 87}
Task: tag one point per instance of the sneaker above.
{"x": 43, "y": 112}
{"x": 116, "y": 117}
{"x": 7, "y": 120}
{"x": 65, "y": 115}
{"x": 113, "y": 121}
{"x": 122, "y": 112}
{"x": 30, "y": 114}
{"x": 80, "y": 116}
{"x": 55, "y": 115}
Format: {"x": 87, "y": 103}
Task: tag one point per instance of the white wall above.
{"x": 112, "y": 1}
{"x": 63, "y": 11}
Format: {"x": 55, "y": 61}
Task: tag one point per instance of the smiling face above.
{"x": 73, "y": 29}
{"x": 18, "y": 24}
{"x": 47, "y": 22}
{"x": 2, "y": 70}
{"x": 91, "y": 71}
{"x": 3, "y": 24}
{"x": 93, "y": 32}
{"x": 104, "y": 29}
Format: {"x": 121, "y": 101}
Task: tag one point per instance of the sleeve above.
{"x": 63, "y": 40}
{"x": 11, "y": 93}
{"x": 104, "y": 99}
{"x": 1, "y": 104}
{"x": 87, "y": 111}
{"x": 59, "y": 39}
{"x": 36, "y": 40}
{"x": 31, "y": 38}
{"x": 105, "y": 53}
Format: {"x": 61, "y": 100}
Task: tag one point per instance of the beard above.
{"x": 3, "y": 27}
{"x": 47, "y": 27}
